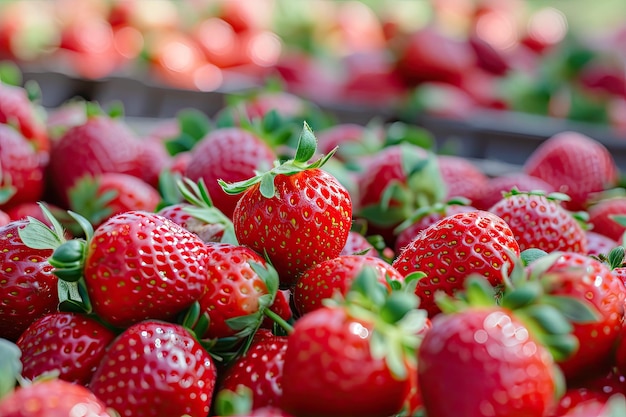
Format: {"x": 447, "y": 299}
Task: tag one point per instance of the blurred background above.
{"x": 452, "y": 59}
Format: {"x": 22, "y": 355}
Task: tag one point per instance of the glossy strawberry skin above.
{"x": 71, "y": 343}
{"x": 541, "y": 223}
{"x": 454, "y": 247}
{"x": 306, "y": 222}
{"x": 260, "y": 369}
{"x": 600, "y": 217}
{"x": 334, "y": 276}
{"x": 599, "y": 244}
{"x": 141, "y": 265}
{"x": 233, "y": 288}
{"x": 21, "y": 168}
{"x": 329, "y": 369}
{"x": 574, "y": 164}
{"x": 100, "y": 144}
{"x": 156, "y": 369}
{"x": 230, "y": 154}
{"x": 52, "y": 398}
{"x": 589, "y": 280}
{"x": 462, "y": 177}
{"x": 28, "y": 289}
{"x": 489, "y": 345}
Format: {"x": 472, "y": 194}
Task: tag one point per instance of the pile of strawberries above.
{"x": 271, "y": 262}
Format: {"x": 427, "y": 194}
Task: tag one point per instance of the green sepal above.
{"x": 193, "y": 126}
{"x": 560, "y": 346}
{"x": 479, "y": 292}
{"x": 530, "y": 255}
{"x": 397, "y": 306}
{"x": 548, "y": 318}
{"x": 615, "y": 257}
{"x": 115, "y": 109}
{"x": 573, "y": 309}
{"x": 37, "y": 235}
{"x": 168, "y": 189}
{"x": 522, "y": 296}
{"x": 86, "y": 200}
{"x": 400, "y": 132}
{"x": 73, "y": 297}
{"x": 619, "y": 219}
{"x": 10, "y": 366}
{"x": 234, "y": 403}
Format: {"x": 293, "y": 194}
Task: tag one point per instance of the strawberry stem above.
{"x": 279, "y": 320}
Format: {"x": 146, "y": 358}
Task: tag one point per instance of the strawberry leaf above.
{"x": 573, "y": 309}
{"x": 10, "y": 366}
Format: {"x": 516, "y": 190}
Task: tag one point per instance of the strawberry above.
{"x": 598, "y": 244}
{"x": 574, "y": 164}
{"x": 18, "y": 110}
{"x": 426, "y": 216}
{"x": 52, "y": 398}
{"x": 229, "y": 154}
{"x": 461, "y": 176}
{"x": 101, "y": 196}
{"x": 134, "y": 266}
{"x": 259, "y": 369}
{"x": 496, "y": 186}
{"x": 351, "y": 358}
{"x": 21, "y": 169}
{"x": 579, "y": 276}
{"x": 356, "y": 244}
{"x": 70, "y": 343}
{"x": 398, "y": 180}
{"x": 87, "y": 149}
{"x": 239, "y": 288}
{"x": 5, "y": 218}
{"x": 336, "y": 275}
{"x": 156, "y": 369}
{"x": 296, "y": 214}
{"x": 449, "y": 250}
{"x": 28, "y": 289}
{"x": 602, "y": 214}
{"x": 539, "y": 221}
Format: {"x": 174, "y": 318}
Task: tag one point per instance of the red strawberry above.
{"x": 580, "y": 276}
{"x": 588, "y": 399}
{"x": 70, "y": 343}
{"x": 32, "y": 209}
{"x": 17, "y": 110}
{"x": 539, "y": 221}
{"x": 89, "y": 149}
{"x": 476, "y": 242}
{"x": 52, "y": 398}
{"x": 356, "y": 244}
{"x": 21, "y": 169}
{"x": 495, "y": 187}
{"x": 598, "y": 244}
{"x": 238, "y": 290}
{"x": 426, "y": 216}
{"x": 296, "y": 214}
{"x": 461, "y": 176}
{"x": 351, "y": 359}
{"x": 601, "y": 217}
{"x": 101, "y": 196}
{"x": 259, "y": 369}
{"x": 574, "y": 164}
{"x": 397, "y": 180}
{"x": 28, "y": 289}
{"x": 156, "y": 369}
{"x": 335, "y": 276}
{"x": 228, "y": 154}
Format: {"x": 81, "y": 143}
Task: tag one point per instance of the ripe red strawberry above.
{"x": 140, "y": 265}
{"x": 296, "y": 214}
{"x": 239, "y": 289}
{"x": 259, "y": 369}
{"x": 21, "y": 169}
{"x": 539, "y": 221}
{"x": 590, "y": 399}
{"x": 580, "y": 276}
{"x": 52, "y": 398}
{"x": 601, "y": 217}
{"x": 461, "y": 176}
{"x": 351, "y": 359}
{"x": 574, "y": 164}
{"x": 101, "y": 144}
{"x": 495, "y": 187}
{"x": 426, "y": 216}
{"x": 230, "y": 154}
{"x": 598, "y": 244}
{"x": 335, "y": 277}
{"x": 356, "y": 244}
{"x": 156, "y": 369}
{"x": 70, "y": 343}
{"x": 101, "y": 196}
{"x": 28, "y": 289}
{"x": 397, "y": 180}
{"x": 476, "y": 242}
{"x": 17, "y": 110}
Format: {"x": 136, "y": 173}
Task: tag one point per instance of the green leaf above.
{"x": 530, "y": 255}
{"x": 619, "y": 219}
{"x": 245, "y": 325}
{"x": 307, "y": 145}
{"x": 193, "y": 123}
{"x": 10, "y": 366}
{"x": 398, "y": 305}
{"x": 37, "y": 235}
{"x": 84, "y": 224}
{"x": 548, "y": 318}
{"x": 10, "y": 73}
{"x": 267, "y": 188}
{"x": 575, "y": 310}
{"x": 479, "y": 292}
{"x": 616, "y": 257}
{"x": 522, "y": 296}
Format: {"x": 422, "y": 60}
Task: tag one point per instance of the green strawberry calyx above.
{"x": 396, "y": 318}
{"x": 67, "y": 257}
{"x": 554, "y": 196}
{"x": 306, "y": 149}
